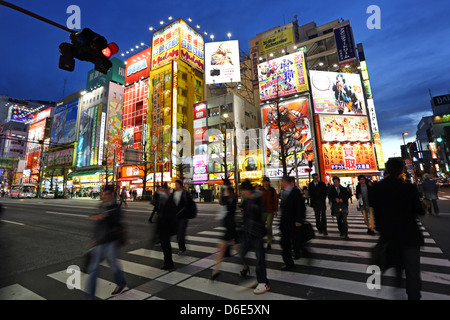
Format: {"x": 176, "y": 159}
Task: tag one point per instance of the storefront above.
{"x": 89, "y": 183}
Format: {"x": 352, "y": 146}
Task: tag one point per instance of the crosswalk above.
{"x": 337, "y": 269}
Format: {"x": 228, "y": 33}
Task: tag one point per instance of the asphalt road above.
{"x": 39, "y": 232}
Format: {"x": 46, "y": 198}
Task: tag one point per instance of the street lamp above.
{"x": 404, "y": 143}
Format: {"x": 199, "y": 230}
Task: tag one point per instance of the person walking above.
{"x": 397, "y": 207}
{"x": 363, "y": 195}
{"x": 123, "y": 197}
{"x": 270, "y": 209}
{"x": 253, "y": 235}
{"x": 317, "y": 191}
{"x": 293, "y": 214}
{"x": 429, "y": 191}
{"x": 179, "y": 203}
{"x": 108, "y": 238}
{"x": 338, "y": 196}
{"x": 166, "y": 226}
{"x": 228, "y": 202}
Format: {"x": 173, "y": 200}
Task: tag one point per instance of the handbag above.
{"x": 306, "y": 232}
{"x": 360, "y": 206}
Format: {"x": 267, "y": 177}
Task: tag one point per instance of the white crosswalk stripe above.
{"x": 336, "y": 267}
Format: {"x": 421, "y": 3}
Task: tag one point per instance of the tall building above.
{"x": 176, "y": 84}
{"x": 95, "y": 125}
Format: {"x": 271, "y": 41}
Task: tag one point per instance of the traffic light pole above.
{"x": 31, "y": 14}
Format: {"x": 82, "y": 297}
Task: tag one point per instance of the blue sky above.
{"x": 406, "y": 57}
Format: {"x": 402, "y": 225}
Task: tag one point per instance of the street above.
{"x": 41, "y": 238}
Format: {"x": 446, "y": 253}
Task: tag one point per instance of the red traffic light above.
{"x": 110, "y": 50}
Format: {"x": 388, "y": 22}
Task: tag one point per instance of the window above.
{"x": 214, "y": 112}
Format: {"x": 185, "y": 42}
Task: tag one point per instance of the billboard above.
{"x": 114, "y": 134}
{"x": 19, "y": 114}
{"x": 116, "y": 74}
{"x": 279, "y": 40}
{"x": 344, "y": 128}
{"x": 64, "y": 123}
{"x": 177, "y": 41}
{"x": 128, "y": 137}
{"x": 337, "y": 93}
{"x": 138, "y": 66}
{"x": 222, "y": 62}
{"x": 60, "y": 157}
{"x": 296, "y": 128}
{"x": 89, "y": 136}
{"x": 348, "y": 157}
{"x": 200, "y": 168}
{"x": 345, "y": 44}
{"x": 282, "y": 76}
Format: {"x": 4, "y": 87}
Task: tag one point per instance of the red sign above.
{"x": 138, "y": 66}
{"x": 132, "y": 171}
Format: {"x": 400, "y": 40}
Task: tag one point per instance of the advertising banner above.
{"x": 128, "y": 137}
{"x": 200, "y": 168}
{"x": 19, "y": 114}
{"x": 138, "y": 66}
{"x": 61, "y": 157}
{"x": 166, "y": 45}
{"x": 344, "y": 43}
{"x": 344, "y": 128}
{"x": 337, "y": 93}
{"x": 88, "y": 140}
{"x": 191, "y": 47}
{"x": 276, "y": 41}
{"x": 132, "y": 171}
{"x": 222, "y": 63}
{"x": 114, "y": 134}
{"x": 64, "y": 123}
{"x": 36, "y": 133}
{"x": 296, "y": 130}
{"x": 282, "y": 76}
{"x": 348, "y": 157}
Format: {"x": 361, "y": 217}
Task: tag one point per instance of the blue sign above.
{"x": 65, "y": 123}
{"x": 344, "y": 43}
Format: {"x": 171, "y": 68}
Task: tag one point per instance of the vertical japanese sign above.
{"x": 344, "y": 43}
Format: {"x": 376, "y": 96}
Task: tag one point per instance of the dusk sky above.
{"x": 406, "y": 58}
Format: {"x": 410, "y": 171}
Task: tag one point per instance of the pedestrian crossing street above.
{"x": 337, "y": 269}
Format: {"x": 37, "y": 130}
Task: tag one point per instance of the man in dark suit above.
{"x": 338, "y": 196}
{"x": 293, "y": 214}
{"x": 397, "y": 207}
{"x": 317, "y": 191}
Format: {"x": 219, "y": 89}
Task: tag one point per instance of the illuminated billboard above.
{"x": 339, "y": 158}
{"x": 278, "y": 40}
{"x": 337, "y": 93}
{"x": 138, "y": 66}
{"x": 344, "y": 128}
{"x": 178, "y": 41}
{"x": 295, "y": 126}
{"x": 89, "y": 136}
{"x": 19, "y": 114}
{"x": 200, "y": 168}
{"x": 64, "y": 123}
{"x": 222, "y": 63}
{"x": 282, "y": 76}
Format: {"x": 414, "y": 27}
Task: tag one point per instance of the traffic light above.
{"x": 87, "y": 45}
{"x": 439, "y": 139}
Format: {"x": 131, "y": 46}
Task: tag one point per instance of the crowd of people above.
{"x": 389, "y": 207}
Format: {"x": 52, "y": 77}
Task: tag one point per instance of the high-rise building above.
{"x": 176, "y": 84}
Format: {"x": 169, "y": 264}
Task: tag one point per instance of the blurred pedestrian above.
{"x": 364, "y": 195}
{"x": 179, "y": 203}
{"x": 155, "y": 203}
{"x": 253, "y": 234}
{"x": 429, "y": 191}
{"x": 293, "y": 214}
{"x": 108, "y": 238}
{"x": 317, "y": 191}
{"x": 123, "y": 197}
{"x": 166, "y": 226}
{"x": 338, "y": 196}
{"x": 270, "y": 208}
{"x": 228, "y": 203}
{"x": 397, "y": 207}
{"x": 350, "y": 192}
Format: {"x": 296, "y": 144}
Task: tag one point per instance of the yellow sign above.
{"x": 251, "y": 175}
{"x": 276, "y": 41}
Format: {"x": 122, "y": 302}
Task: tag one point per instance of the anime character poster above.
{"x": 222, "y": 62}
{"x": 64, "y": 123}
{"x": 337, "y": 93}
{"x": 87, "y": 137}
{"x": 295, "y": 129}
{"x": 115, "y": 133}
{"x": 282, "y": 76}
